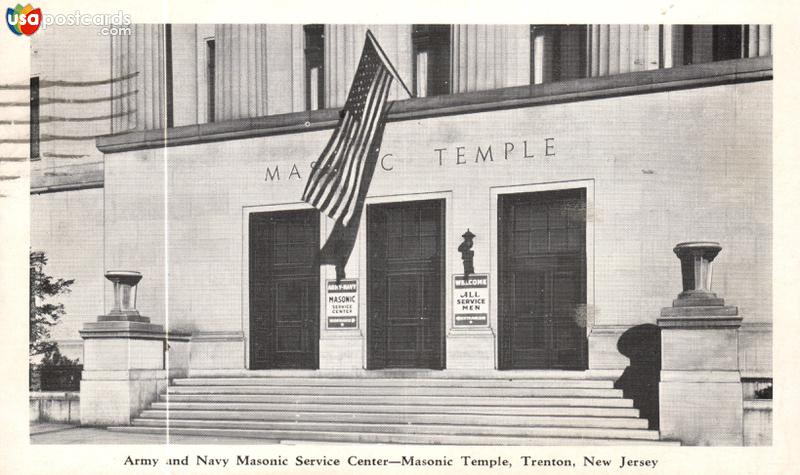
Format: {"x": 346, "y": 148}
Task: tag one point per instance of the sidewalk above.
{"x": 50, "y": 433}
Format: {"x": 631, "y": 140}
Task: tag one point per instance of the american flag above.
{"x": 339, "y": 181}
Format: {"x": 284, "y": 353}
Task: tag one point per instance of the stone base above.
{"x": 700, "y": 397}
{"x": 55, "y": 406}
{"x": 758, "y": 422}
{"x": 604, "y": 353}
{"x": 342, "y": 351}
{"x": 471, "y": 349}
{"x": 701, "y": 408}
{"x": 123, "y": 317}
{"x": 217, "y": 350}
{"x": 116, "y": 397}
{"x": 126, "y": 367}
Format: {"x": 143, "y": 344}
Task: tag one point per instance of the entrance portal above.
{"x": 542, "y": 280}
{"x": 405, "y": 304}
{"x": 284, "y": 290}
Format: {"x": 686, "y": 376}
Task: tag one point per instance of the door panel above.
{"x": 542, "y": 280}
{"x": 284, "y": 290}
{"x": 406, "y": 285}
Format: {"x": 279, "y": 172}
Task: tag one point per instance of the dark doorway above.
{"x": 405, "y": 308}
{"x": 284, "y": 290}
{"x": 542, "y": 280}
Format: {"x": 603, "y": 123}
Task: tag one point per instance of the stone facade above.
{"x": 664, "y": 152}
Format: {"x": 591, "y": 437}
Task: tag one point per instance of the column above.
{"x": 137, "y": 66}
{"x": 343, "y": 45}
{"x": 759, "y": 40}
{"x": 185, "y": 88}
{"x": 487, "y": 57}
{"x": 615, "y": 49}
{"x": 240, "y": 71}
{"x": 700, "y": 393}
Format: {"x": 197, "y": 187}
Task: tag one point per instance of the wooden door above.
{"x": 542, "y": 294}
{"x": 284, "y": 290}
{"x": 405, "y": 249}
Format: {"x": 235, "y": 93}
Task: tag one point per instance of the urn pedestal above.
{"x": 700, "y": 393}
{"x": 128, "y": 361}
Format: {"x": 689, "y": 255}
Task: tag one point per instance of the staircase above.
{"x": 403, "y": 407}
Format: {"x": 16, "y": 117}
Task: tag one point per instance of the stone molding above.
{"x": 130, "y": 330}
{"x": 642, "y": 82}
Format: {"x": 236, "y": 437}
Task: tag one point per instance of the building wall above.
{"x": 68, "y": 227}
{"x": 664, "y": 168}
{"x": 74, "y": 104}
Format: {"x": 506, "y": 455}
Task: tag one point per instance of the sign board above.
{"x": 341, "y": 303}
{"x": 471, "y": 300}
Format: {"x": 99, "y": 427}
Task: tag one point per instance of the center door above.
{"x": 405, "y": 260}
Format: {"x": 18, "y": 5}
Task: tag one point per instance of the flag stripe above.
{"x": 323, "y": 163}
{"x": 332, "y": 177}
{"x": 363, "y": 142}
{"x": 351, "y": 205}
{"x": 327, "y": 173}
{"x": 355, "y": 184}
{"x": 339, "y": 178}
{"x": 333, "y": 196}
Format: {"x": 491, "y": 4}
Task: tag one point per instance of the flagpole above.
{"x": 386, "y": 61}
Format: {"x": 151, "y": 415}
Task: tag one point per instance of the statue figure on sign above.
{"x": 465, "y": 248}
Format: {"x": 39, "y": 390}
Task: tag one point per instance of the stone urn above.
{"x": 697, "y": 270}
{"x": 125, "y": 285}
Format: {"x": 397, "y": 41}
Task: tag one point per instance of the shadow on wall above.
{"x": 642, "y": 345}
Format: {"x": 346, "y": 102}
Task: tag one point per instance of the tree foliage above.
{"x": 44, "y": 314}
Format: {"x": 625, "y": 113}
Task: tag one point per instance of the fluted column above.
{"x": 137, "y": 64}
{"x": 490, "y": 56}
{"x": 343, "y": 45}
{"x": 759, "y": 40}
{"x": 240, "y": 71}
{"x": 615, "y": 49}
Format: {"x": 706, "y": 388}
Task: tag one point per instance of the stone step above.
{"x": 397, "y": 374}
{"x": 398, "y": 391}
{"x": 442, "y": 429}
{"x": 384, "y": 438}
{"x": 513, "y": 411}
{"x": 401, "y": 418}
{"x": 330, "y": 382}
{"x": 403, "y": 400}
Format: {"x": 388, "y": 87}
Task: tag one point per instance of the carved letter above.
{"x": 273, "y": 176}
{"x": 525, "y": 150}
{"x": 549, "y": 144}
{"x": 294, "y": 172}
{"x": 440, "y": 150}
{"x": 480, "y": 154}
{"x": 383, "y": 165}
{"x": 460, "y": 155}
{"x": 509, "y": 150}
